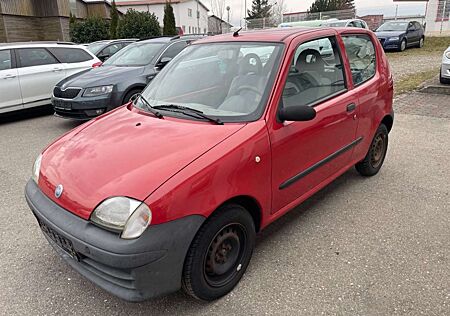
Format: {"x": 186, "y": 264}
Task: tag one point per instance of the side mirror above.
{"x": 300, "y": 113}
{"x": 163, "y": 62}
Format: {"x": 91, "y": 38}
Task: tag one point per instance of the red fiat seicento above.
{"x": 169, "y": 191}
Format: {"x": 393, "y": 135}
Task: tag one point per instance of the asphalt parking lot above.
{"x": 378, "y": 246}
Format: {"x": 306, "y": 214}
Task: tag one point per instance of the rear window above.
{"x": 29, "y": 57}
{"x": 5, "y": 59}
{"x": 70, "y": 55}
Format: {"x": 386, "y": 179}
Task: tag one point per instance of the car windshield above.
{"x": 137, "y": 54}
{"x": 94, "y": 48}
{"x": 228, "y": 81}
{"x": 393, "y": 26}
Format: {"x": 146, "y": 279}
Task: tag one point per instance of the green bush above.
{"x": 90, "y": 30}
{"x": 136, "y": 24}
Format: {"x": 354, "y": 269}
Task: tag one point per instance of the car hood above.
{"x": 125, "y": 153}
{"x": 104, "y": 75}
{"x": 389, "y": 34}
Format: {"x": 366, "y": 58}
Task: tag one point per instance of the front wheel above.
{"x": 219, "y": 253}
{"x": 403, "y": 45}
{"x": 371, "y": 164}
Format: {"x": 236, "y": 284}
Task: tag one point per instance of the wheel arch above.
{"x": 388, "y": 120}
{"x": 131, "y": 88}
{"x": 250, "y": 204}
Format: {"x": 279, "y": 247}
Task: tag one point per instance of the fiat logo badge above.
{"x": 58, "y": 191}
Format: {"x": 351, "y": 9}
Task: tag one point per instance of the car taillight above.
{"x": 98, "y": 64}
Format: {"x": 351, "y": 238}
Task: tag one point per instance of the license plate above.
{"x": 62, "y": 242}
{"x": 62, "y": 105}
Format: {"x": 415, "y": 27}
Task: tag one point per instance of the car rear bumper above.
{"x": 133, "y": 270}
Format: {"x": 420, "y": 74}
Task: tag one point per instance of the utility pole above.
{"x": 228, "y": 18}
{"x": 245, "y": 14}
{"x": 396, "y": 12}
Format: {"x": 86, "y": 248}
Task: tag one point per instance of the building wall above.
{"x": 180, "y": 11}
{"x": 433, "y": 20}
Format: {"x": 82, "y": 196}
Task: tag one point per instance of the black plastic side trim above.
{"x": 306, "y": 172}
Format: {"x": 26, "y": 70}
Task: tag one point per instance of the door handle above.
{"x": 351, "y": 107}
{"x": 9, "y": 77}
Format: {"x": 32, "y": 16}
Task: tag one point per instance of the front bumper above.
{"x": 390, "y": 44}
{"x": 85, "y": 108}
{"x": 445, "y": 70}
{"x": 133, "y": 270}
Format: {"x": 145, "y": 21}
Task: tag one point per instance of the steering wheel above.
{"x": 251, "y": 63}
{"x": 249, "y": 88}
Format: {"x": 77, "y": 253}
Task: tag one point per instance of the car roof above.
{"x": 168, "y": 39}
{"x": 39, "y": 44}
{"x": 115, "y": 40}
{"x": 274, "y": 35}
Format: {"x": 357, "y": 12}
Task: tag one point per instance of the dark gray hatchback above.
{"x": 121, "y": 78}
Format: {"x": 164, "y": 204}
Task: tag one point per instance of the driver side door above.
{"x": 307, "y": 155}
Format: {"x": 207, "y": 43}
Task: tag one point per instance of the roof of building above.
{"x": 154, "y": 2}
{"x": 217, "y": 18}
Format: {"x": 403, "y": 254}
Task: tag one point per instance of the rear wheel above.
{"x": 371, "y": 164}
{"x": 421, "y": 42}
{"x": 219, "y": 253}
{"x": 403, "y": 45}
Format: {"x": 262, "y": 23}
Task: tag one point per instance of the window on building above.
{"x": 190, "y": 12}
{"x": 198, "y": 14}
{"x": 184, "y": 28}
{"x": 189, "y": 30}
{"x": 443, "y": 11}
{"x": 73, "y": 7}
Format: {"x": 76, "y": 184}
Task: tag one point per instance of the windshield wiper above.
{"x": 184, "y": 109}
{"x": 150, "y": 108}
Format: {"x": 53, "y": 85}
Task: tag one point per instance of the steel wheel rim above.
{"x": 222, "y": 261}
{"x": 378, "y": 150}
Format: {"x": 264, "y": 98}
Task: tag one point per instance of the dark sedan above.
{"x": 399, "y": 35}
{"x": 121, "y": 78}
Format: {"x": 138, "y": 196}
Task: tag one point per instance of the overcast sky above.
{"x": 366, "y": 6}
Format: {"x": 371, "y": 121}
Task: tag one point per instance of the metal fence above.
{"x": 435, "y": 23}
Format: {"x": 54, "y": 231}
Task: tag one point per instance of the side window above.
{"x": 417, "y": 25}
{"x": 111, "y": 49}
{"x": 5, "y": 59}
{"x": 316, "y": 73}
{"x": 362, "y": 57}
{"x": 174, "y": 50}
{"x": 70, "y": 55}
{"x": 35, "y": 57}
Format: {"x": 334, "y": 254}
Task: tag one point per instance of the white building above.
{"x": 190, "y": 15}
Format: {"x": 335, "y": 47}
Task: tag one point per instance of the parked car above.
{"x": 400, "y": 35}
{"x": 105, "y": 49}
{"x": 121, "y": 78}
{"x": 169, "y": 191}
{"x": 445, "y": 67}
{"x": 347, "y": 23}
{"x": 29, "y": 71}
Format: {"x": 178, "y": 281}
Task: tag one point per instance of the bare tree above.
{"x": 218, "y": 8}
{"x": 279, "y": 7}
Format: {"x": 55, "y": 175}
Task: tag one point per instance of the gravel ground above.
{"x": 378, "y": 246}
{"x": 404, "y": 65}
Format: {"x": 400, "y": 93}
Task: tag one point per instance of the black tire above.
{"x": 421, "y": 42}
{"x": 219, "y": 253}
{"x": 403, "y": 45}
{"x": 130, "y": 95}
{"x": 372, "y": 163}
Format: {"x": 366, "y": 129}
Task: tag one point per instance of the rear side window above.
{"x": 362, "y": 57}
{"x": 35, "y": 57}
{"x": 316, "y": 73}
{"x": 5, "y": 59}
{"x": 174, "y": 50}
{"x": 70, "y": 55}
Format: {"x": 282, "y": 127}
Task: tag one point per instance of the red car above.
{"x": 169, "y": 191}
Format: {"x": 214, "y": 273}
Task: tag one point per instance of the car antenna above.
{"x": 236, "y": 33}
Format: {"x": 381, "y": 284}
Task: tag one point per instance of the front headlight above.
{"x": 394, "y": 38}
{"x": 96, "y": 91}
{"x": 447, "y": 54}
{"x": 128, "y": 216}
{"x": 37, "y": 168}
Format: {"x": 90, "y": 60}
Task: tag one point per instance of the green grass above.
{"x": 432, "y": 45}
{"x": 413, "y": 81}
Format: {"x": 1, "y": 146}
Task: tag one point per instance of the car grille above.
{"x": 68, "y": 93}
